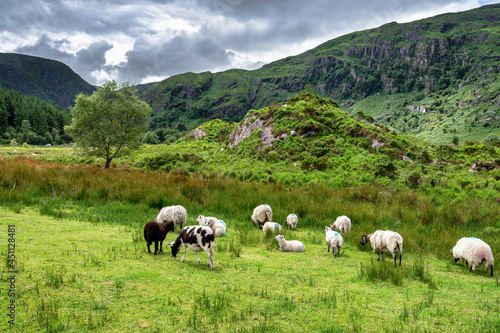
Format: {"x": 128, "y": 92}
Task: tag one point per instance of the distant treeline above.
{"x": 28, "y": 119}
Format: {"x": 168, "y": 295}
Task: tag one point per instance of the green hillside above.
{"x": 47, "y": 79}
{"x": 446, "y": 65}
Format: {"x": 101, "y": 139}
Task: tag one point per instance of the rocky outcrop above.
{"x": 251, "y": 124}
{"x": 198, "y": 133}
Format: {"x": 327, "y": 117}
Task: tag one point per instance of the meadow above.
{"x": 83, "y": 263}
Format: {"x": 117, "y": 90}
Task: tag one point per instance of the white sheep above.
{"x": 262, "y": 214}
{"x": 218, "y": 226}
{"x": 333, "y": 240}
{"x": 177, "y": 214}
{"x": 474, "y": 251}
{"x": 290, "y": 246}
{"x": 272, "y": 227}
{"x": 385, "y": 241}
{"x": 342, "y": 224}
{"x": 291, "y": 221}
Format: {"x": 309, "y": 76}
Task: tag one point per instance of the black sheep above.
{"x": 156, "y": 232}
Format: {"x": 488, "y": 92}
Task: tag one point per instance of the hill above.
{"x": 434, "y": 78}
{"x": 47, "y": 79}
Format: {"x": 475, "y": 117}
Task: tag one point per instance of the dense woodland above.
{"x": 27, "y": 119}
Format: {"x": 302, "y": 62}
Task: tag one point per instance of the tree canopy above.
{"x": 109, "y": 122}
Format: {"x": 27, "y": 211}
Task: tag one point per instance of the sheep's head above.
{"x": 175, "y": 249}
{"x": 365, "y": 239}
{"x": 279, "y": 237}
{"x": 169, "y": 226}
{"x": 201, "y": 219}
{"x": 327, "y": 229}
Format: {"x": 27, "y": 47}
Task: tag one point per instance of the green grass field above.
{"x": 78, "y": 276}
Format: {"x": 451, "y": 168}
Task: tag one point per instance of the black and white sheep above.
{"x": 292, "y": 220}
{"x": 385, "y": 241}
{"x": 156, "y": 232}
{"x": 197, "y": 238}
{"x": 342, "y": 224}
{"x": 271, "y": 227}
{"x": 218, "y": 226}
{"x": 177, "y": 214}
{"x": 290, "y": 246}
{"x": 333, "y": 240}
{"x": 474, "y": 251}
{"x": 262, "y": 214}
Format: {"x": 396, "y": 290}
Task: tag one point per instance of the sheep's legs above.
{"x": 210, "y": 262}
{"x": 197, "y": 258}
{"x": 378, "y": 255}
{"x": 149, "y": 250}
{"x": 184, "y": 254}
{"x": 394, "y": 257}
{"x": 156, "y": 247}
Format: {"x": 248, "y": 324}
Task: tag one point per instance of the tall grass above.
{"x": 428, "y": 224}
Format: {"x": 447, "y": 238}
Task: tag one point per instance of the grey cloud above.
{"x": 92, "y": 58}
{"x": 182, "y": 53}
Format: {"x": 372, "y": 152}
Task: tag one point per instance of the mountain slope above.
{"x": 47, "y": 79}
{"x": 431, "y": 63}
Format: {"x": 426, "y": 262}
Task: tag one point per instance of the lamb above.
{"x": 333, "y": 240}
{"x": 342, "y": 224}
{"x": 197, "y": 238}
{"x": 474, "y": 251}
{"x": 386, "y": 241}
{"x": 177, "y": 214}
{"x": 217, "y": 226}
{"x": 272, "y": 227}
{"x": 262, "y": 214}
{"x": 291, "y": 221}
{"x": 156, "y": 232}
{"x": 290, "y": 246}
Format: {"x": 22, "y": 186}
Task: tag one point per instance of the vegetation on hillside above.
{"x": 46, "y": 79}
{"x": 28, "y": 119}
{"x": 445, "y": 66}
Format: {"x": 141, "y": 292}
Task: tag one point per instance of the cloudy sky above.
{"x": 149, "y": 40}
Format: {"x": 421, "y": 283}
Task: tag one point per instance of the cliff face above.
{"x": 426, "y": 56}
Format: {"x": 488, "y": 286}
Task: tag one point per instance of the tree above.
{"x": 110, "y": 122}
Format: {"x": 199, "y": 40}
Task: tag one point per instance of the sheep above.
{"x": 333, "y": 240}
{"x": 272, "y": 227}
{"x": 177, "y": 214}
{"x": 291, "y": 221}
{"x": 262, "y": 214}
{"x": 156, "y": 232}
{"x": 197, "y": 238}
{"x": 386, "y": 241}
{"x": 342, "y": 224}
{"x": 474, "y": 251}
{"x": 290, "y": 246}
{"x": 217, "y": 226}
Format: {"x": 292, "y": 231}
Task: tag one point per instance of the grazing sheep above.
{"x": 291, "y": 221}
{"x": 217, "y": 226}
{"x": 156, "y": 232}
{"x": 474, "y": 251}
{"x": 333, "y": 240}
{"x": 386, "y": 241}
{"x": 197, "y": 238}
{"x": 262, "y": 214}
{"x": 342, "y": 224}
{"x": 177, "y": 214}
{"x": 272, "y": 227}
{"x": 290, "y": 246}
